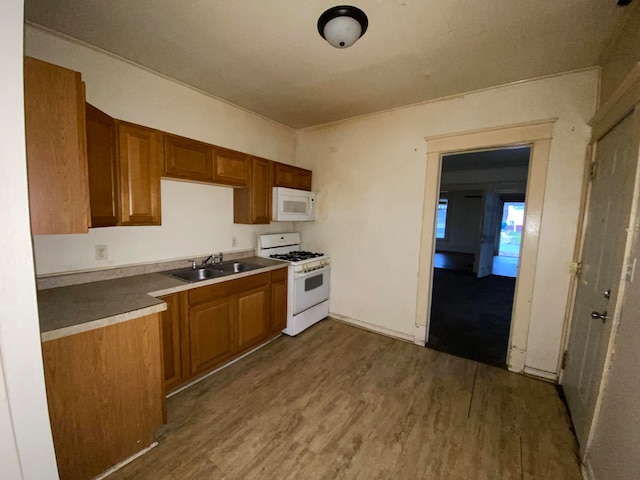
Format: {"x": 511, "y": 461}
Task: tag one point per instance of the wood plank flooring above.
{"x": 338, "y": 402}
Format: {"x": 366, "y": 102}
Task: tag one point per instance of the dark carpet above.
{"x": 470, "y": 317}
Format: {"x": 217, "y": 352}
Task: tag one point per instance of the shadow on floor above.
{"x": 471, "y": 317}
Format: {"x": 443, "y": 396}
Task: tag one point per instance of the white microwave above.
{"x": 290, "y": 205}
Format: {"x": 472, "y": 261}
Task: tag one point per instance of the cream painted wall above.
{"x": 369, "y": 173}
{"x": 26, "y": 446}
{"x": 196, "y": 219}
{"x": 623, "y": 56}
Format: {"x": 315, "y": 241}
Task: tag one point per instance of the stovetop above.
{"x": 296, "y": 256}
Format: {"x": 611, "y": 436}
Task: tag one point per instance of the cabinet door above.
{"x": 54, "y": 111}
{"x": 187, "y": 159}
{"x": 140, "y": 159}
{"x": 292, "y": 177}
{"x": 303, "y": 179}
{"x": 103, "y": 169}
{"x": 104, "y": 393}
{"x": 230, "y": 167}
{"x": 279, "y": 281}
{"x": 211, "y": 334}
{"x": 171, "y": 350}
{"x": 254, "y": 312}
{"x": 252, "y": 205}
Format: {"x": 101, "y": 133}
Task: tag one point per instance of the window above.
{"x": 441, "y": 225}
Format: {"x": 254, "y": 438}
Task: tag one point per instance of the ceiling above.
{"x": 267, "y": 57}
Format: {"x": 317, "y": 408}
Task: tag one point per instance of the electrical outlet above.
{"x": 234, "y": 241}
{"x": 102, "y": 252}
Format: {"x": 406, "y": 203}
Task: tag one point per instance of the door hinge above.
{"x": 592, "y": 171}
{"x": 565, "y": 356}
{"x": 575, "y": 268}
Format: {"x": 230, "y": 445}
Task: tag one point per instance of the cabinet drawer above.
{"x": 225, "y": 289}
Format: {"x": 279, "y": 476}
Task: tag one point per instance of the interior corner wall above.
{"x": 26, "y": 445}
{"x": 197, "y": 219}
{"x": 369, "y": 174}
{"x": 462, "y": 232}
{"x": 624, "y": 55}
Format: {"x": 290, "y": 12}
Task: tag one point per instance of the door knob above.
{"x": 602, "y": 316}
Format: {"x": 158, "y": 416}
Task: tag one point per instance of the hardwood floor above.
{"x": 338, "y": 402}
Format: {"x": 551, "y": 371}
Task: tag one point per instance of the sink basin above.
{"x": 234, "y": 267}
{"x": 211, "y": 271}
{"x": 197, "y": 275}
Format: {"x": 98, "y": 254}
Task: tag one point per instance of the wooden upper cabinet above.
{"x": 54, "y": 106}
{"x": 187, "y": 159}
{"x": 291, "y": 177}
{"x": 252, "y": 205}
{"x": 103, "y": 168}
{"x": 231, "y": 167}
{"x": 140, "y": 159}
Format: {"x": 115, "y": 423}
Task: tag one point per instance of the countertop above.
{"x": 79, "y": 308}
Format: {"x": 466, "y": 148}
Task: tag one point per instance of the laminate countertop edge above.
{"x": 80, "y": 308}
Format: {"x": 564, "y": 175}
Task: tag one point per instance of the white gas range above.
{"x": 308, "y": 290}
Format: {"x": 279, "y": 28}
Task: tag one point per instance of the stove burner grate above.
{"x": 296, "y": 256}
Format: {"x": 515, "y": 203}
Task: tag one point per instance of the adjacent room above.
{"x": 284, "y": 239}
{"x": 475, "y": 265}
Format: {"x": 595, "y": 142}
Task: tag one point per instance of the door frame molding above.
{"x": 536, "y": 134}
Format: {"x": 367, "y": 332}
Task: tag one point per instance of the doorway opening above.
{"x": 479, "y": 227}
{"x": 507, "y": 257}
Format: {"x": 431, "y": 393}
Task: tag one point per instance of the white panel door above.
{"x": 605, "y": 238}
{"x": 489, "y": 227}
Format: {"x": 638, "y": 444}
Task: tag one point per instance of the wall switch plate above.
{"x": 102, "y": 252}
{"x": 234, "y": 241}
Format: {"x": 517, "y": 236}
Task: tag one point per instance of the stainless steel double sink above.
{"x": 211, "y": 271}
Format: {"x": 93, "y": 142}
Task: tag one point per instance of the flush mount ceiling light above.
{"x": 343, "y": 25}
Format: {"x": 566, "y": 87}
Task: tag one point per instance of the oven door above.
{"x": 310, "y": 289}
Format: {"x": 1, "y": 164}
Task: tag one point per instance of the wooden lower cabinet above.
{"x": 254, "y": 312}
{"x": 211, "y": 334}
{"x": 204, "y": 328}
{"x": 172, "y": 342}
{"x": 279, "y": 282}
{"x": 105, "y": 395}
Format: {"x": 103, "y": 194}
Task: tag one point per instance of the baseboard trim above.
{"x": 372, "y": 328}
{"x": 207, "y": 375}
{"x": 587, "y": 471}
{"x": 127, "y": 461}
{"x": 534, "y": 372}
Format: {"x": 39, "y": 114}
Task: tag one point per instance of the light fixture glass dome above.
{"x": 343, "y": 25}
{"x": 342, "y": 32}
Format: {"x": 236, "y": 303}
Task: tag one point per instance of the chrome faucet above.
{"x": 212, "y": 257}
{"x": 193, "y": 264}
